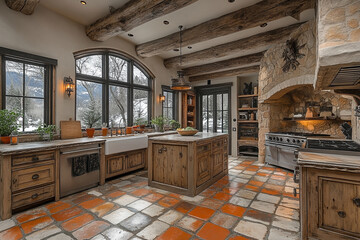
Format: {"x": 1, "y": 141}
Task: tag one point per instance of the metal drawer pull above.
{"x": 294, "y": 192}
{"x": 35, "y": 158}
{"x": 342, "y": 214}
{"x": 82, "y": 150}
{"x": 34, "y": 196}
{"x": 181, "y": 155}
{"x": 296, "y": 172}
{"x": 357, "y": 201}
{"x": 35, "y": 177}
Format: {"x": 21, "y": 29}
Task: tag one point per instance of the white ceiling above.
{"x": 189, "y": 16}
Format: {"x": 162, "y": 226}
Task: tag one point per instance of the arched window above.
{"x": 111, "y": 88}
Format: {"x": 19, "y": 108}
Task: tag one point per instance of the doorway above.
{"x": 214, "y": 104}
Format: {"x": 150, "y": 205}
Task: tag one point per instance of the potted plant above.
{"x": 174, "y": 124}
{"x": 8, "y": 124}
{"x": 90, "y": 117}
{"x": 159, "y": 123}
{"x": 47, "y": 132}
{"x": 141, "y": 122}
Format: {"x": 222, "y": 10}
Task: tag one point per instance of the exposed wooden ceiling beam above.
{"x": 24, "y": 6}
{"x": 253, "y": 59}
{"x": 245, "y": 18}
{"x": 228, "y": 73}
{"x": 132, "y": 14}
{"x": 239, "y": 47}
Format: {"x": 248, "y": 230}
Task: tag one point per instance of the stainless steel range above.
{"x": 280, "y": 147}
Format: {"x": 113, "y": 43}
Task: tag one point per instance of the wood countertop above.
{"x": 329, "y": 158}
{"x": 197, "y": 137}
{"x": 7, "y": 149}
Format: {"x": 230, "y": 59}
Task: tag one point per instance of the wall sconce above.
{"x": 69, "y": 85}
{"x": 161, "y": 98}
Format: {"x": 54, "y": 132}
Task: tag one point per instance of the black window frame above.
{"x": 106, "y": 82}
{"x": 175, "y": 101}
{"x": 49, "y": 65}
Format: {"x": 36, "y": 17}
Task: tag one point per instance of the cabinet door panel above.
{"x": 116, "y": 164}
{"x": 218, "y": 162}
{"x": 135, "y": 160}
{"x": 203, "y": 168}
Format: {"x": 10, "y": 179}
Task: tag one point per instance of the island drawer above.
{"x": 218, "y": 144}
{"x": 32, "y": 158}
{"x": 32, "y": 196}
{"x": 32, "y": 177}
{"x": 203, "y": 148}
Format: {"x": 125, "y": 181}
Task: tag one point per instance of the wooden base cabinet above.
{"x": 187, "y": 167}
{"x": 121, "y": 163}
{"x": 330, "y": 203}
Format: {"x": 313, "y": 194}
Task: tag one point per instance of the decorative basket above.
{"x": 187, "y": 133}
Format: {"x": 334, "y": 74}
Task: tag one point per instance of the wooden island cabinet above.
{"x": 330, "y": 195}
{"x": 187, "y": 164}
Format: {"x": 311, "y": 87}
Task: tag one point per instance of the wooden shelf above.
{"x": 247, "y": 109}
{"x": 248, "y": 142}
{"x": 313, "y": 119}
{"x": 250, "y": 153}
{"x": 248, "y": 121}
{"x": 247, "y": 96}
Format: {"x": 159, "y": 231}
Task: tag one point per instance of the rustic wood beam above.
{"x": 253, "y": 59}
{"x": 239, "y": 47}
{"x": 228, "y": 73}
{"x": 24, "y": 6}
{"x": 132, "y": 14}
{"x": 245, "y": 18}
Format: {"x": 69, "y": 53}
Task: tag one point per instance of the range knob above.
{"x": 270, "y": 138}
{"x": 288, "y": 140}
{"x": 277, "y": 139}
{"x": 281, "y": 139}
{"x": 298, "y": 141}
{"x": 293, "y": 140}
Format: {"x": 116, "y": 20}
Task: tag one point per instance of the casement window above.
{"x": 111, "y": 89}
{"x": 169, "y": 106}
{"x": 27, "y": 87}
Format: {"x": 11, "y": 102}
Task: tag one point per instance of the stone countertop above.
{"x": 7, "y": 149}
{"x": 329, "y": 158}
{"x": 197, "y": 137}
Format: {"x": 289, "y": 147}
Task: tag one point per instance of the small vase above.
{"x": 5, "y": 139}
{"x": 90, "y": 132}
{"x": 104, "y": 131}
{"x": 159, "y": 128}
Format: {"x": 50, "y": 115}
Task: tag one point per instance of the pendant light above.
{"x": 180, "y": 83}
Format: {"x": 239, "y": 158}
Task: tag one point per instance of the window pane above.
{"x": 16, "y": 104}
{"x": 139, "y": 77}
{"x": 88, "y": 103}
{"x": 34, "y": 114}
{"x": 219, "y": 123}
{"x": 90, "y": 65}
{"x": 34, "y": 80}
{"x": 118, "y": 108}
{"x": 140, "y": 105}
{"x": 14, "y": 78}
{"x": 226, "y": 121}
{"x": 225, "y": 101}
{"x": 170, "y": 100}
{"x": 117, "y": 69}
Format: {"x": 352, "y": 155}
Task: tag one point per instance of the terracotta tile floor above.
{"x": 253, "y": 202}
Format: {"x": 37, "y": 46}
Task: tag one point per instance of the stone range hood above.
{"x": 338, "y": 46}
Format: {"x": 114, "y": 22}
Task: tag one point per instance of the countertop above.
{"x": 329, "y": 158}
{"x": 197, "y": 137}
{"x": 7, "y": 149}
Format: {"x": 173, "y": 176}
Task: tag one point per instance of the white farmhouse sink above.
{"x": 125, "y": 144}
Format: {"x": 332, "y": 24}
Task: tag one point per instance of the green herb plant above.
{"x": 8, "y": 122}
{"x": 47, "y": 130}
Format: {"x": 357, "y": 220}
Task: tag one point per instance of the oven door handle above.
{"x": 79, "y": 151}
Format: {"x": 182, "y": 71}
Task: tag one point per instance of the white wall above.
{"x": 51, "y": 35}
{"x": 234, "y": 93}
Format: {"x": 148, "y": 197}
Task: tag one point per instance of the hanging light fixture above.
{"x": 180, "y": 83}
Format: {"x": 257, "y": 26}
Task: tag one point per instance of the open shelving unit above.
{"x": 188, "y": 109}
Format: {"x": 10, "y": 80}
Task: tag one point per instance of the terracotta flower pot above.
{"x": 129, "y": 130}
{"x": 104, "y": 131}
{"x": 90, "y": 132}
{"x": 5, "y": 139}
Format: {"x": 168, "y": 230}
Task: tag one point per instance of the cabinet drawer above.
{"x": 203, "y": 148}
{"x": 218, "y": 144}
{"x": 32, "y": 158}
{"x": 32, "y": 196}
{"x": 32, "y": 177}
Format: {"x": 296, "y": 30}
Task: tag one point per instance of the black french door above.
{"x": 214, "y": 104}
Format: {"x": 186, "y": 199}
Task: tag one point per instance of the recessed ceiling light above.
{"x": 231, "y": 1}
{"x": 189, "y": 47}
{"x": 166, "y": 22}
{"x": 176, "y": 50}
{"x": 83, "y": 2}
{"x": 130, "y": 35}
{"x": 263, "y": 25}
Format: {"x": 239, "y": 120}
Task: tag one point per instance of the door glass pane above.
{"x": 89, "y": 103}
{"x": 16, "y": 104}
{"x": 225, "y": 104}
{"x": 226, "y": 121}
{"x": 118, "y": 108}
{"x": 14, "y": 78}
{"x": 34, "y": 114}
{"x": 219, "y": 102}
{"x": 219, "y": 122}
{"x": 117, "y": 69}
{"x": 34, "y": 81}
{"x": 90, "y": 65}
{"x": 140, "y": 104}
{"x": 210, "y": 113}
{"x": 139, "y": 77}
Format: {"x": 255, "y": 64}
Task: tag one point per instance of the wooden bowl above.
{"x": 187, "y": 133}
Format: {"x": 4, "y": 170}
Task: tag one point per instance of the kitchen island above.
{"x": 187, "y": 164}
